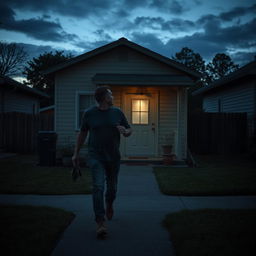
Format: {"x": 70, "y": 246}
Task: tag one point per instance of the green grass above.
{"x": 216, "y": 175}
{"x": 213, "y": 232}
{"x": 21, "y": 175}
{"x": 29, "y": 230}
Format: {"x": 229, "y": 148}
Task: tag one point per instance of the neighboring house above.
{"x": 47, "y": 118}
{"x": 47, "y": 110}
{"x": 233, "y": 93}
{"x": 149, "y": 88}
{"x": 17, "y": 97}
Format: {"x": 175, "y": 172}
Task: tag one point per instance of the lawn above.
{"x": 30, "y": 230}
{"x": 21, "y": 175}
{"x": 213, "y": 232}
{"x": 215, "y": 175}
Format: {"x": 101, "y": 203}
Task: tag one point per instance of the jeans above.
{"x": 101, "y": 172}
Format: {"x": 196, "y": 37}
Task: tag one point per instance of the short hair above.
{"x": 101, "y": 92}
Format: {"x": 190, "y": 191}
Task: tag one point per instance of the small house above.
{"x": 149, "y": 88}
{"x": 17, "y": 97}
{"x": 234, "y": 93}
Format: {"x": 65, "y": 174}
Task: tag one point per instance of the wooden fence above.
{"x": 18, "y": 131}
{"x": 217, "y": 133}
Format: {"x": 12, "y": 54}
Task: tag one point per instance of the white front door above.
{"x": 141, "y": 113}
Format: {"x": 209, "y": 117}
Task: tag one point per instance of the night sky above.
{"x": 165, "y": 26}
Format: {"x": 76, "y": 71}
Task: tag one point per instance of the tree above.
{"x": 220, "y": 66}
{"x": 12, "y": 59}
{"x": 190, "y": 59}
{"x": 195, "y": 62}
{"x": 34, "y": 68}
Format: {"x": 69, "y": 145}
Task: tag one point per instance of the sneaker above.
{"x": 109, "y": 211}
{"x": 101, "y": 229}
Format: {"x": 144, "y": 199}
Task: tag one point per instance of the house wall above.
{"x": 119, "y": 60}
{"x": 19, "y": 102}
{"x": 236, "y": 98}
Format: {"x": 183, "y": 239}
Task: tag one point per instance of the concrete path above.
{"x": 136, "y": 228}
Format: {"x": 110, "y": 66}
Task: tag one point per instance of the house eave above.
{"x": 142, "y": 80}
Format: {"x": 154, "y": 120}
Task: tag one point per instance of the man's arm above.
{"x": 79, "y": 143}
{"x": 126, "y": 132}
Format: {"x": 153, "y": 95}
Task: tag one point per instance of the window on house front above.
{"x": 84, "y": 101}
{"x": 140, "y": 111}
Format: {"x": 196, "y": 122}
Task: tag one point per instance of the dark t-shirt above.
{"x": 104, "y": 137}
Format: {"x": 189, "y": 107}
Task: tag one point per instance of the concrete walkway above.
{"x": 136, "y": 228}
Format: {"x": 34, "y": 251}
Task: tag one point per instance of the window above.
{"x": 140, "y": 111}
{"x": 85, "y": 100}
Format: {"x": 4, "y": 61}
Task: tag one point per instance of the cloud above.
{"x": 243, "y": 57}
{"x": 150, "y": 41}
{"x": 85, "y": 8}
{"x": 237, "y": 12}
{"x": 171, "y": 6}
{"x": 216, "y": 39}
{"x": 38, "y": 28}
{"x": 35, "y": 50}
{"x": 77, "y": 8}
{"x": 234, "y": 13}
{"x": 134, "y": 3}
{"x": 158, "y": 23}
{"x": 102, "y": 35}
{"x": 238, "y": 41}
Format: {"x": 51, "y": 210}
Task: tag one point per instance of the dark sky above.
{"x": 165, "y": 26}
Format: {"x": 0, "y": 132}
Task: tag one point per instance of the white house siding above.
{"x": 79, "y": 78}
{"x": 20, "y": 102}
{"x": 236, "y": 99}
{"x": 182, "y": 124}
{"x": 167, "y": 117}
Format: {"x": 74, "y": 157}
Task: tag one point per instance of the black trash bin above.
{"x": 47, "y": 148}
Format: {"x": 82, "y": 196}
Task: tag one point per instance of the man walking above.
{"x": 104, "y": 123}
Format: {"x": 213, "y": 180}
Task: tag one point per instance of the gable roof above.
{"x": 122, "y": 42}
{"x": 248, "y": 70}
{"x": 11, "y": 83}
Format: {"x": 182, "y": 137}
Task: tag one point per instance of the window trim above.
{"x": 77, "y": 102}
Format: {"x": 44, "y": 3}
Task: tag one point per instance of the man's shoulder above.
{"x": 116, "y": 109}
{"x": 90, "y": 109}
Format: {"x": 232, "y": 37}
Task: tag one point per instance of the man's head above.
{"x": 103, "y": 94}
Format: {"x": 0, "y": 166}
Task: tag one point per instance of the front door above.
{"x": 141, "y": 114}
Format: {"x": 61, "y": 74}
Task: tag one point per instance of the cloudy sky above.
{"x": 165, "y": 26}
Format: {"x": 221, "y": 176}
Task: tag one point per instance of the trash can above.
{"x": 47, "y": 148}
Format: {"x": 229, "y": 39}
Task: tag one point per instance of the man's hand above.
{"x": 75, "y": 160}
{"x": 122, "y": 130}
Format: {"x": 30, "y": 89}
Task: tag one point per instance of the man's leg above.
{"x": 98, "y": 177}
{"x": 112, "y": 171}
